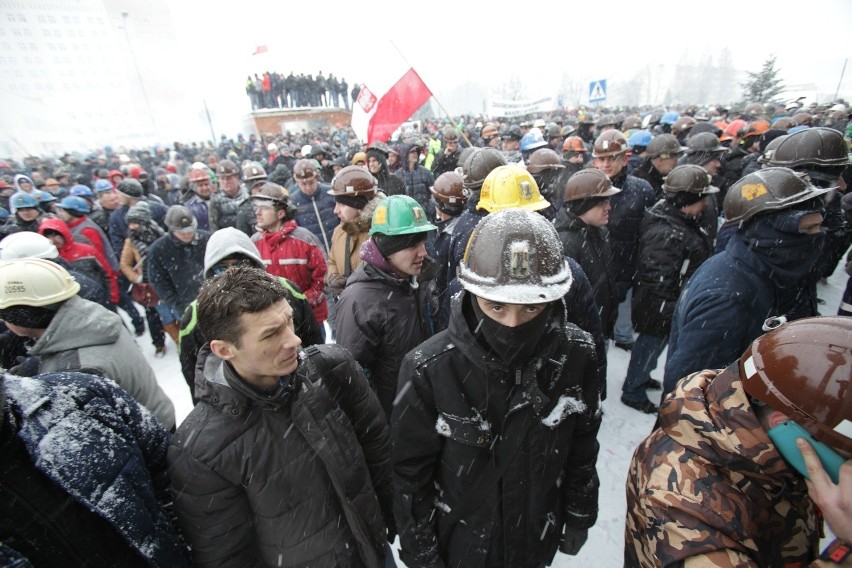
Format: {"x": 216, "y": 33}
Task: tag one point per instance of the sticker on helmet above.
{"x": 418, "y": 214}
{"x": 751, "y": 191}
{"x": 380, "y": 217}
{"x": 526, "y": 190}
{"x": 520, "y": 260}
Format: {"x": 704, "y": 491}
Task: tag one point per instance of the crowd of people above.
{"x": 409, "y": 339}
{"x": 274, "y": 90}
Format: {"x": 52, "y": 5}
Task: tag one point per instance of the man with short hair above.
{"x": 447, "y": 160}
{"x": 284, "y": 460}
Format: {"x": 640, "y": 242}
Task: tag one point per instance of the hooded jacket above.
{"x": 382, "y": 315}
{"x": 294, "y": 479}
{"x": 83, "y": 257}
{"x": 710, "y": 485}
{"x": 86, "y": 337}
{"x": 292, "y": 252}
{"x": 389, "y": 183}
{"x": 16, "y": 182}
{"x": 224, "y": 243}
{"x": 459, "y": 404}
{"x": 84, "y": 474}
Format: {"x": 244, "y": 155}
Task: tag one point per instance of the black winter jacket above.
{"x": 458, "y": 406}
{"x": 176, "y": 269}
{"x": 590, "y": 247}
{"x": 625, "y": 221}
{"x": 291, "y": 479}
{"x": 671, "y": 249}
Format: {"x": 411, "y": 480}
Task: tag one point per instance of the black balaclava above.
{"x": 580, "y": 206}
{"x": 514, "y": 345}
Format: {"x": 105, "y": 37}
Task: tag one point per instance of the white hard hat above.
{"x": 35, "y": 282}
{"x": 27, "y": 244}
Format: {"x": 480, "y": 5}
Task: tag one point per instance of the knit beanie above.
{"x": 139, "y": 213}
{"x": 34, "y": 317}
{"x": 388, "y": 244}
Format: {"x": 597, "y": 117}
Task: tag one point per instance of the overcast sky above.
{"x": 450, "y": 43}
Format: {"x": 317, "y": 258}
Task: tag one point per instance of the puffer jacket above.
{"x": 296, "y": 479}
{"x": 78, "y": 435}
{"x": 381, "y": 316}
{"x": 459, "y": 404}
{"x": 417, "y": 180}
{"x": 671, "y": 249}
{"x": 709, "y": 485}
{"x": 348, "y": 235}
{"x": 84, "y": 336}
{"x": 294, "y": 253}
{"x": 590, "y": 247}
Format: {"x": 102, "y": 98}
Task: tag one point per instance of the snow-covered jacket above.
{"x": 294, "y": 253}
{"x": 381, "y": 316}
{"x": 175, "y": 269}
{"x": 294, "y": 479}
{"x": 709, "y": 485}
{"x": 94, "y": 442}
{"x": 459, "y": 405}
{"x": 84, "y": 336}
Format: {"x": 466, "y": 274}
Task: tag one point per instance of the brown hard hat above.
{"x": 589, "y": 183}
{"x": 354, "y": 180}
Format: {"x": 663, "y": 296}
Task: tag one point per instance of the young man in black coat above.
{"x": 284, "y": 460}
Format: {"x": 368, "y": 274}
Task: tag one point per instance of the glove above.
{"x": 573, "y": 540}
{"x": 26, "y": 367}
{"x": 336, "y": 284}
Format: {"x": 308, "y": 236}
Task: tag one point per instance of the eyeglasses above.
{"x": 262, "y": 206}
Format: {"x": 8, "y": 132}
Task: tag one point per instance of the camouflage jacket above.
{"x": 708, "y": 488}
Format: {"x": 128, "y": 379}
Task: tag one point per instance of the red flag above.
{"x": 394, "y": 107}
{"x": 260, "y": 49}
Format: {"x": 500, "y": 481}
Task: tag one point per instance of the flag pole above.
{"x": 453, "y": 122}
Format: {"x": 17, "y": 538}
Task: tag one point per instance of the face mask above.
{"x": 514, "y": 345}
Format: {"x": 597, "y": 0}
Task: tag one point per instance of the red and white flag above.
{"x": 377, "y": 113}
{"x": 260, "y": 49}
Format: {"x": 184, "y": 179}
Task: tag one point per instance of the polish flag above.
{"x": 260, "y": 49}
{"x": 376, "y": 114}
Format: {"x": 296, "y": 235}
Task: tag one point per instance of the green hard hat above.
{"x": 400, "y": 215}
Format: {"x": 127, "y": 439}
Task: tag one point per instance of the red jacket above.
{"x": 73, "y": 251}
{"x": 292, "y": 252}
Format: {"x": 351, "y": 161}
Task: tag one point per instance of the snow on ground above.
{"x": 621, "y": 431}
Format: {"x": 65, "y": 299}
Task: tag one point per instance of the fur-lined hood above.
{"x": 362, "y": 223}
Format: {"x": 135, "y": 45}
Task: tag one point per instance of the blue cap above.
{"x": 669, "y": 117}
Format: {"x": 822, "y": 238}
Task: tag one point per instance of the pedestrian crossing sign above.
{"x": 597, "y": 91}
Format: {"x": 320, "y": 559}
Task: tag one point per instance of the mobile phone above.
{"x": 784, "y": 437}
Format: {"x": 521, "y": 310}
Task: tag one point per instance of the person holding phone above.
{"x": 722, "y": 480}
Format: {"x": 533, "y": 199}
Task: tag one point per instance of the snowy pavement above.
{"x": 621, "y": 431}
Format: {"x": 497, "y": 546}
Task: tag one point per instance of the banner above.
{"x": 507, "y": 108}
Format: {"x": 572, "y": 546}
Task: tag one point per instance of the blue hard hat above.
{"x": 532, "y": 140}
{"x": 639, "y": 138}
{"x": 23, "y": 201}
{"x": 82, "y": 191}
{"x": 45, "y": 196}
{"x": 669, "y": 117}
{"x": 74, "y": 203}
{"x": 4, "y": 214}
{"x": 102, "y": 185}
